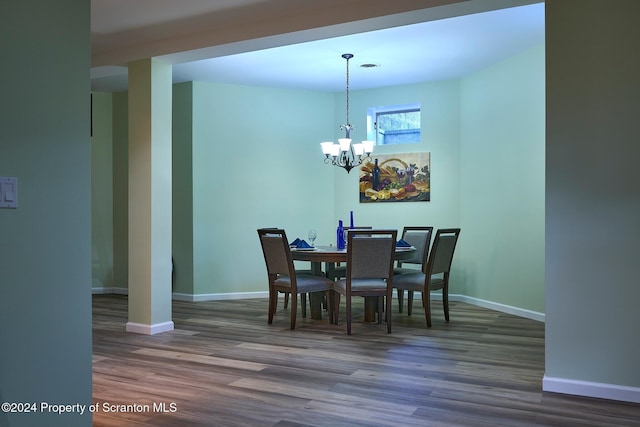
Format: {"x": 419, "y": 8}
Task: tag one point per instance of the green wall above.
{"x": 440, "y": 116}
{"x": 254, "y": 156}
{"x": 102, "y": 191}
{"x": 502, "y": 183}
{"x": 45, "y": 247}
{"x": 120, "y": 153}
{"x": 592, "y": 198}
{"x": 182, "y": 152}
{"x": 275, "y": 181}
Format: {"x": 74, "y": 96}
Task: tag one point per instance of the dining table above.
{"x": 330, "y": 256}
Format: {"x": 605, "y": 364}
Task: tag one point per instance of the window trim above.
{"x": 374, "y": 112}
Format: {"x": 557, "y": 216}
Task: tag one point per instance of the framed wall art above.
{"x": 395, "y": 178}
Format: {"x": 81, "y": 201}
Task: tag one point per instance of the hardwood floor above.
{"x": 224, "y": 366}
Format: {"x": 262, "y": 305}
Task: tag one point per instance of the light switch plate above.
{"x": 8, "y": 192}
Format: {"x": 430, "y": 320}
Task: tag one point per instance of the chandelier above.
{"x": 344, "y": 154}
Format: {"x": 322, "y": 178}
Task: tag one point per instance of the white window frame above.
{"x": 372, "y": 116}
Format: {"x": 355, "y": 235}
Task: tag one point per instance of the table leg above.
{"x": 315, "y": 301}
{"x": 316, "y": 268}
{"x": 315, "y": 298}
{"x": 330, "y": 268}
{"x": 370, "y": 308}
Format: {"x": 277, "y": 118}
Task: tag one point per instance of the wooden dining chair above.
{"x": 340, "y": 271}
{"x": 370, "y": 255}
{"x": 420, "y": 238}
{"x": 434, "y": 275}
{"x": 303, "y": 296}
{"x": 282, "y": 275}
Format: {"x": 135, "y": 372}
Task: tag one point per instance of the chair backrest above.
{"x": 370, "y": 254}
{"x": 419, "y": 238}
{"x": 444, "y": 244}
{"x": 360, "y": 227}
{"x": 275, "y": 248}
{"x": 349, "y": 229}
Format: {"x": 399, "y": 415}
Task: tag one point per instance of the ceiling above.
{"x": 438, "y": 49}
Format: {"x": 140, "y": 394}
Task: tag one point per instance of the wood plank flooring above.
{"x": 224, "y": 366}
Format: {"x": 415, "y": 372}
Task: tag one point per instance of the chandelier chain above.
{"x": 348, "y": 122}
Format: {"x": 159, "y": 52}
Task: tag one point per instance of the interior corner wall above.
{"x": 592, "y": 198}
{"x": 485, "y": 134}
{"x": 256, "y": 163}
{"x": 45, "y": 248}
{"x": 102, "y": 190}
{"x": 440, "y": 131}
{"x": 502, "y": 183}
{"x": 120, "y": 153}
{"x": 182, "y": 159}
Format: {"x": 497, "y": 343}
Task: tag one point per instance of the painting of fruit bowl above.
{"x": 396, "y": 178}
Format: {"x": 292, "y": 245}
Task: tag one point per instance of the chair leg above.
{"x": 286, "y": 300}
{"x": 273, "y": 300}
{"x": 388, "y": 316}
{"x": 445, "y": 301}
{"x": 385, "y": 303}
{"x": 400, "y": 299}
{"x": 348, "y": 315}
{"x": 380, "y": 301}
{"x": 336, "y": 307}
{"x": 294, "y": 309}
{"x": 329, "y": 301}
{"x": 409, "y": 303}
{"x": 303, "y": 301}
{"x": 426, "y": 300}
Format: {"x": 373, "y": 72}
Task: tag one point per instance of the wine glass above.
{"x": 312, "y": 236}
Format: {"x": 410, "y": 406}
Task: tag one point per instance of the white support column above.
{"x": 150, "y": 96}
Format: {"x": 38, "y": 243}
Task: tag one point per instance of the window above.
{"x": 395, "y": 124}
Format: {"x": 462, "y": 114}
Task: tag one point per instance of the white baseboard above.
{"x": 190, "y": 297}
{"x": 220, "y": 297}
{"x": 140, "y": 328}
{"x": 516, "y": 311}
{"x": 503, "y": 308}
{"x": 591, "y": 389}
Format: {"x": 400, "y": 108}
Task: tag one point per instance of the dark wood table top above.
{"x": 333, "y": 254}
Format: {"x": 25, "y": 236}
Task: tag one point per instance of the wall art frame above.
{"x": 404, "y": 177}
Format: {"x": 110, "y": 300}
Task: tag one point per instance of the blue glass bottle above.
{"x": 340, "y": 236}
